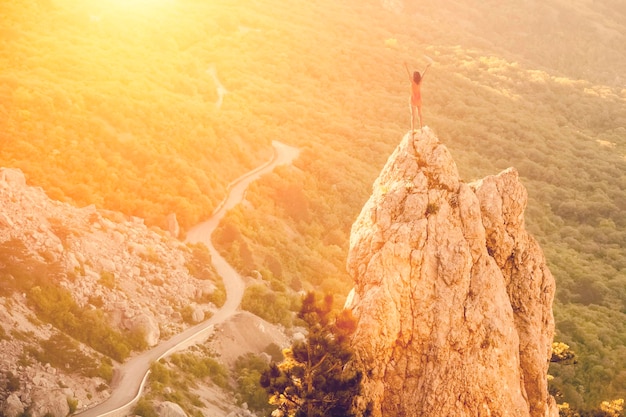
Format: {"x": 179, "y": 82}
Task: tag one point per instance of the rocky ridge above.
{"x": 452, "y": 295}
{"x": 137, "y": 276}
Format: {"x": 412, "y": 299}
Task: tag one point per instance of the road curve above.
{"x": 130, "y": 376}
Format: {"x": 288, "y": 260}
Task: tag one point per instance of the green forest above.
{"x": 119, "y": 106}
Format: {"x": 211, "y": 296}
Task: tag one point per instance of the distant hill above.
{"x": 117, "y": 106}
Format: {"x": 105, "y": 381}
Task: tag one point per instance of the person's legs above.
{"x": 412, "y": 118}
{"x": 419, "y": 113}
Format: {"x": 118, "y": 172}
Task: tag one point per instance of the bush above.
{"x": 145, "y": 408}
{"x": 13, "y": 382}
{"x": 107, "y": 279}
{"x": 247, "y": 374}
{"x": 73, "y": 404}
{"x": 267, "y": 304}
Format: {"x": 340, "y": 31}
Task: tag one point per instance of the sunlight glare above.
{"x": 136, "y": 5}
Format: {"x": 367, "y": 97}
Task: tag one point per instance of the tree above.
{"x": 561, "y": 353}
{"x": 315, "y": 379}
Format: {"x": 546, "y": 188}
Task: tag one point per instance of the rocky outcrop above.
{"x": 147, "y": 325}
{"x": 48, "y": 402}
{"x": 138, "y": 277}
{"x": 452, "y": 295}
{"x": 170, "y": 409}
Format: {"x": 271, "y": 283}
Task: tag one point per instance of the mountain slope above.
{"x": 101, "y": 104}
{"x": 82, "y": 288}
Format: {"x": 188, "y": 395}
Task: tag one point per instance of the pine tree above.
{"x": 314, "y": 379}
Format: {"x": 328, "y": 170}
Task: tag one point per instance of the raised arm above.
{"x": 425, "y": 69}
{"x": 408, "y": 71}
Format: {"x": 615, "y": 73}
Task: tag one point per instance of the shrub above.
{"x": 73, "y": 404}
{"x": 247, "y": 374}
{"x": 13, "y": 382}
{"x": 431, "y": 208}
{"x": 267, "y": 304}
{"x": 107, "y": 279}
{"x": 145, "y": 408}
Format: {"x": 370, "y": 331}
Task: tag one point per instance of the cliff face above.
{"x": 452, "y": 295}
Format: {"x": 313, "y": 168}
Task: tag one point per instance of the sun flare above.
{"x": 137, "y": 5}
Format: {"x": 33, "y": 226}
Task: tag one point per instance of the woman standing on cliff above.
{"x": 416, "y": 94}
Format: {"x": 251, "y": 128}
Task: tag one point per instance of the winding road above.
{"x": 130, "y": 377}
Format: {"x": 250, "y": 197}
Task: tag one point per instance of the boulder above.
{"x": 170, "y": 409}
{"x": 48, "y": 402}
{"x": 146, "y": 323}
{"x": 197, "y": 315}
{"x": 12, "y": 407}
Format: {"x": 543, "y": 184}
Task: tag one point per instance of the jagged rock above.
{"x": 12, "y": 407}
{"x": 170, "y": 409}
{"x": 452, "y": 296}
{"x": 51, "y": 402}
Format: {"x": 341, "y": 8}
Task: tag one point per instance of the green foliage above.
{"x": 64, "y": 353}
{"x": 160, "y": 374}
{"x": 200, "y": 265}
{"x": 316, "y": 379}
{"x": 201, "y": 366}
{"x": 72, "y": 404}
{"x": 107, "y": 279}
{"x": 510, "y": 86}
{"x": 247, "y": 374}
{"x": 275, "y": 307}
{"x": 145, "y": 408}
{"x": 275, "y": 352}
{"x": 13, "y": 382}
{"x": 561, "y": 353}
{"x": 20, "y": 271}
{"x": 181, "y": 373}
{"x": 218, "y": 297}
{"x": 187, "y": 313}
{"x": 55, "y": 305}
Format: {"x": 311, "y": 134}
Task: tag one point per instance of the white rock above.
{"x": 12, "y": 407}
{"x": 170, "y": 409}
{"x": 197, "y": 315}
{"x": 146, "y": 323}
{"x": 48, "y": 402}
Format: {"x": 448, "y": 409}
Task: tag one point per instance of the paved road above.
{"x": 130, "y": 376}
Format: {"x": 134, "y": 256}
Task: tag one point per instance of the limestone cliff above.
{"x": 452, "y": 294}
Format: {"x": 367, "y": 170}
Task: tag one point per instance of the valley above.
{"x": 112, "y": 108}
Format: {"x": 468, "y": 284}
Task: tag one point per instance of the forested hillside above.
{"x": 119, "y": 104}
